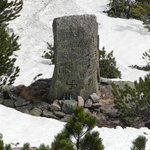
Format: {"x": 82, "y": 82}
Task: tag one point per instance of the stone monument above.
{"x": 76, "y": 69}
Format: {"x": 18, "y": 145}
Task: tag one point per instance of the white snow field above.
{"x": 127, "y": 38}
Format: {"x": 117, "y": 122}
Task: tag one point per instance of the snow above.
{"x": 127, "y": 38}
{"x": 19, "y": 127}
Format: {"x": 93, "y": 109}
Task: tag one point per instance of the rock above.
{"x": 68, "y": 106}
{"x": 8, "y": 103}
{"x": 76, "y": 69}
{"x": 42, "y": 105}
{"x": 41, "y": 84}
{"x": 88, "y": 103}
{"x": 96, "y": 105}
{"x": 11, "y": 90}
{"x": 59, "y": 114}
{"x": 1, "y": 95}
{"x": 25, "y": 109}
{"x": 106, "y": 92}
{"x": 66, "y": 117}
{"x": 1, "y": 100}
{"x": 36, "y": 112}
{"x": 55, "y": 107}
{"x": 95, "y": 98}
{"x": 1, "y": 136}
{"x": 80, "y": 101}
{"x": 110, "y": 111}
{"x": 21, "y": 102}
{"x": 48, "y": 114}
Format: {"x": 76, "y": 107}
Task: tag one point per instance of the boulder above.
{"x": 21, "y": 102}
{"x": 42, "y": 105}
{"x": 1, "y": 100}
{"x": 8, "y": 103}
{"x": 59, "y": 114}
{"x": 95, "y": 98}
{"x": 68, "y": 106}
{"x": 48, "y": 114}
{"x": 110, "y": 111}
{"x": 25, "y": 109}
{"x": 88, "y": 103}
{"x": 36, "y": 112}
{"x": 55, "y": 107}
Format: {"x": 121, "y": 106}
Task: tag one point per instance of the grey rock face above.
{"x": 55, "y": 107}
{"x": 8, "y": 103}
{"x": 76, "y": 57}
{"x": 95, "y": 98}
{"x": 88, "y": 103}
{"x": 68, "y": 106}
{"x": 80, "y": 101}
{"x": 59, "y": 114}
{"x": 36, "y": 112}
{"x": 48, "y": 114}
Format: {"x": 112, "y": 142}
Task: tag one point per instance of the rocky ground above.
{"x": 33, "y": 100}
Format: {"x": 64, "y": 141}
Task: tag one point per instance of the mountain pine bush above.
{"x": 138, "y": 9}
{"x": 8, "y": 41}
{"x": 139, "y": 143}
{"x": 77, "y": 133}
{"x": 107, "y": 64}
{"x": 133, "y": 104}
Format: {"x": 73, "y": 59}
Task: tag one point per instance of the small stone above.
{"x": 1, "y": 100}
{"x": 36, "y": 112}
{"x": 41, "y": 105}
{"x": 21, "y": 102}
{"x": 88, "y": 103}
{"x": 49, "y": 114}
{"x": 25, "y": 109}
{"x": 68, "y": 106}
{"x": 59, "y": 114}
{"x": 80, "y": 101}
{"x": 55, "y": 107}
{"x": 95, "y": 98}
{"x": 8, "y": 103}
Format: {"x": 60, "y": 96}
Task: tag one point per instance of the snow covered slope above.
{"x": 18, "y": 127}
{"x": 127, "y": 38}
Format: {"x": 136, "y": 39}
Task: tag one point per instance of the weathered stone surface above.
{"x": 21, "y": 102}
{"x": 8, "y": 103}
{"x": 55, "y": 107}
{"x": 95, "y": 98}
{"x": 76, "y": 57}
{"x": 88, "y": 103}
{"x": 68, "y": 106}
{"x": 59, "y": 114}
{"x": 110, "y": 111}
{"x": 1, "y": 100}
{"x": 42, "y": 105}
{"x": 25, "y": 109}
{"x": 49, "y": 114}
{"x": 36, "y": 112}
{"x": 80, "y": 101}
